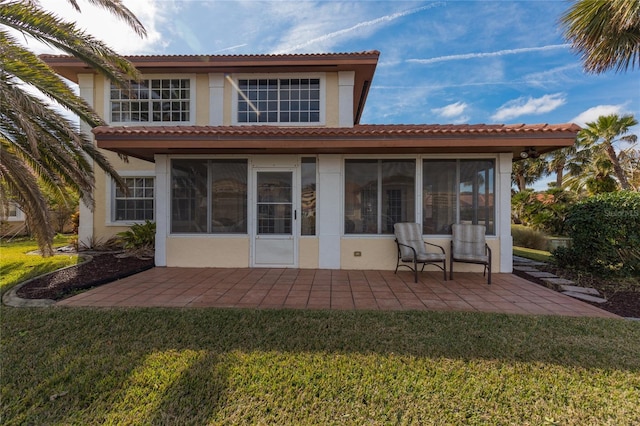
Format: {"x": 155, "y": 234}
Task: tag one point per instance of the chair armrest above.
{"x": 488, "y": 249}
{"x": 404, "y": 245}
{"x": 435, "y": 245}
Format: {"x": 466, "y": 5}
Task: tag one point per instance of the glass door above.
{"x": 274, "y": 236}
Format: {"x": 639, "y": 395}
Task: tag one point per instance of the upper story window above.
{"x": 153, "y": 100}
{"x": 279, "y": 100}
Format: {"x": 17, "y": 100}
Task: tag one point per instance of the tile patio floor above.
{"x": 331, "y": 289}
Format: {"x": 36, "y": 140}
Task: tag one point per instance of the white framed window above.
{"x": 279, "y": 99}
{"x": 458, "y": 191}
{"x": 136, "y": 206}
{"x": 209, "y": 196}
{"x": 378, "y": 193}
{"x": 14, "y": 214}
{"x": 156, "y": 100}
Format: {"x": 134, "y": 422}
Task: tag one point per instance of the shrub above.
{"x": 524, "y": 236}
{"x": 139, "y": 236}
{"x": 605, "y": 232}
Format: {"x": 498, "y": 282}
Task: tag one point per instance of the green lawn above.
{"x": 538, "y": 255}
{"x": 215, "y": 366}
{"x": 16, "y": 265}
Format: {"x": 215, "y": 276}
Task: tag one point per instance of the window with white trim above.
{"x": 457, "y": 191}
{"x": 138, "y": 204}
{"x": 378, "y": 193}
{"x": 154, "y": 100}
{"x": 279, "y": 100}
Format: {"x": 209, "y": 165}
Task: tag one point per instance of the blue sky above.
{"x": 441, "y": 61}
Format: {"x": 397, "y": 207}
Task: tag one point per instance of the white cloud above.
{"x": 529, "y": 106}
{"x": 451, "y": 110}
{"x": 109, "y": 29}
{"x": 593, "y": 113}
{"x": 552, "y": 76}
{"x": 488, "y": 54}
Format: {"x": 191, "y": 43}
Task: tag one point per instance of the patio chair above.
{"x": 412, "y": 249}
{"x": 468, "y": 245}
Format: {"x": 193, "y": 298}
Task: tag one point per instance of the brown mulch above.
{"x": 623, "y": 297}
{"x": 102, "y": 269}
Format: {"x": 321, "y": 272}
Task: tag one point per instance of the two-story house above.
{"x": 261, "y": 161}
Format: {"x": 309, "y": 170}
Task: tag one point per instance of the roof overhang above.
{"x": 363, "y": 64}
{"x": 146, "y": 142}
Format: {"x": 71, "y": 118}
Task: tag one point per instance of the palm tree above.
{"x": 599, "y": 136}
{"x": 557, "y": 161}
{"x": 41, "y": 148}
{"x": 528, "y": 171}
{"x": 590, "y": 173}
{"x": 605, "y": 32}
{"x": 630, "y": 163}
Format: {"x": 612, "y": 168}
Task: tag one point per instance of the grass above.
{"x": 537, "y": 255}
{"x": 216, "y": 366}
{"x": 16, "y": 265}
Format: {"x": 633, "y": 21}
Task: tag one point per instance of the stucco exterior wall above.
{"x": 380, "y": 253}
{"x": 309, "y": 252}
{"x": 207, "y": 252}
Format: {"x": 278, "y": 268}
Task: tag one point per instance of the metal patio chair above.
{"x": 412, "y": 249}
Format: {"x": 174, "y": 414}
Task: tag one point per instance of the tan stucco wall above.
{"x": 202, "y": 99}
{"x": 308, "y": 249}
{"x": 381, "y": 253}
{"x": 207, "y": 252}
{"x": 332, "y": 117}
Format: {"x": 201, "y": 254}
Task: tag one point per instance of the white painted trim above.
{"x": 216, "y": 99}
{"x": 110, "y": 196}
{"x": 86, "y": 84}
{"x": 346, "y": 82}
{"x": 323, "y": 97}
{"x": 503, "y": 211}
{"x": 192, "y": 102}
{"x": 162, "y": 207}
{"x": 330, "y": 210}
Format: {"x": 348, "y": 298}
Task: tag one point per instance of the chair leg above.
{"x": 489, "y": 267}
{"x": 415, "y": 269}
{"x": 444, "y": 269}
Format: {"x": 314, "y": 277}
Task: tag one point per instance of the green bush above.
{"x": 524, "y": 236}
{"x": 605, "y": 232}
{"x": 139, "y": 236}
{"x": 544, "y": 211}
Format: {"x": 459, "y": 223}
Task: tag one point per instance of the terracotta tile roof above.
{"x": 369, "y": 131}
{"x": 367, "y": 53}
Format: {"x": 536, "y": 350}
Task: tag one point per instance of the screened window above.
{"x": 378, "y": 193}
{"x": 209, "y": 196}
{"x": 308, "y": 196}
{"x": 285, "y": 100}
{"x": 457, "y": 191}
{"x": 152, "y": 100}
{"x": 137, "y": 205}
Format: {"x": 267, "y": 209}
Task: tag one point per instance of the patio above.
{"x": 331, "y": 289}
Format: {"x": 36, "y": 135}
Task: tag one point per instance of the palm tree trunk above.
{"x": 559, "y": 176}
{"x": 622, "y": 177}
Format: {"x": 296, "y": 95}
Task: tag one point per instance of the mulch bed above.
{"x": 624, "y": 302}
{"x": 102, "y": 269}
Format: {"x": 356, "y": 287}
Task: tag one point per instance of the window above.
{"x": 209, "y": 196}
{"x": 152, "y": 101}
{"x": 378, "y": 193}
{"x": 138, "y": 204}
{"x": 457, "y": 191}
{"x": 284, "y": 100}
{"x": 308, "y": 196}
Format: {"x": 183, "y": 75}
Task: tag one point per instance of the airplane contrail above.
{"x": 386, "y": 18}
{"x": 487, "y": 54}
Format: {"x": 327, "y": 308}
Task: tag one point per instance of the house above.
{"x": 261, "y": 161}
